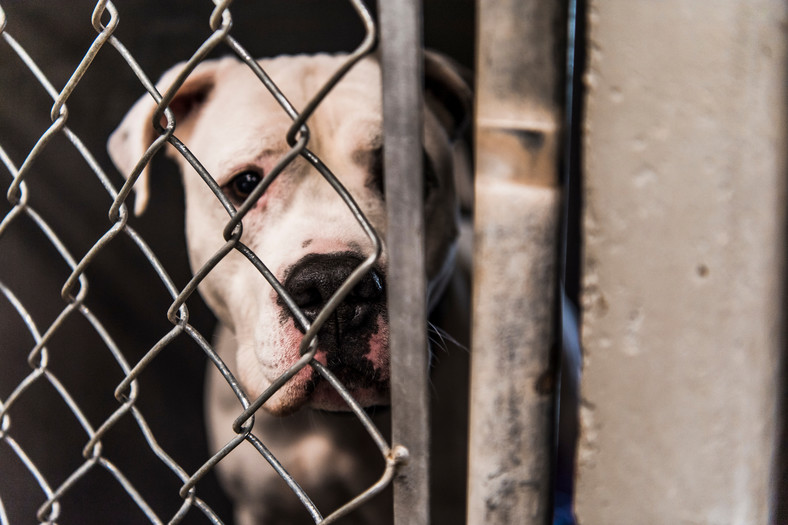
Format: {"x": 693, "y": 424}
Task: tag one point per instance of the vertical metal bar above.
{"x": 513, "y": 366}
{"x": 684, "y": 237}
{"x": 400, "y": 32}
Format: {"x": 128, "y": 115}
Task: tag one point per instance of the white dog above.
{"x": 305, "y": 234}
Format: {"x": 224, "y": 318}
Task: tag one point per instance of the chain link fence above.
{"x": 43, "y": 381}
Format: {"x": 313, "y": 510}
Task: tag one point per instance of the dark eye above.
{"x": 243, "y": 184}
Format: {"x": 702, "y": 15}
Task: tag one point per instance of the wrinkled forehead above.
{"x": 242, "y": 111}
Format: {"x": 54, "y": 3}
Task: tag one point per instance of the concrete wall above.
{"x": 684, "y": 237}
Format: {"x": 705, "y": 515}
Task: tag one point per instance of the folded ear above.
{"x": 447, "y": 93}
{"x": 128, "y": 143}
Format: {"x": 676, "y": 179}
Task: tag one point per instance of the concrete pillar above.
{"x": 684, "y": 231}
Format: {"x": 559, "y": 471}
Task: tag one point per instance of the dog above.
{"x": 310, "y": 241}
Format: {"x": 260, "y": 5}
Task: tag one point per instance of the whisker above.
{"x": 444, "y": 337}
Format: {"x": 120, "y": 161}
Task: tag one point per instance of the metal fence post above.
{"x": 518, "y": 116}
{"x": 400, "y": 33}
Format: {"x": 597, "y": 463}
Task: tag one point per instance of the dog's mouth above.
{"x": 353, "y": 341}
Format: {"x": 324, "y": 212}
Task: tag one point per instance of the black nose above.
{"x": 314, "y": 279}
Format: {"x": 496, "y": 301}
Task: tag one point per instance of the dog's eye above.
{"x": 243, "y": 184}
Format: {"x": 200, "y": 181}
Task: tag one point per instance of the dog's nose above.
{"x": 313, "y": 280}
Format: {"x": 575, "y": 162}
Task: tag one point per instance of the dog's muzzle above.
{"x": 313, "y": 280}
{"x": 353, "y": 341}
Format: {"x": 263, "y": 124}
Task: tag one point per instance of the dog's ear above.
{"x": 128, "y": 143}
{"x": 447, "y": 93}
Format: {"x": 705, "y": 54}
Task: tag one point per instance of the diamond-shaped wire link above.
{"x": 104, "y": 20}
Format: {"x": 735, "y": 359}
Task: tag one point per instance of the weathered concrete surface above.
{"x": 684, "y": 239}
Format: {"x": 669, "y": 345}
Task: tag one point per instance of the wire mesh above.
{"x": 75, "y": 291}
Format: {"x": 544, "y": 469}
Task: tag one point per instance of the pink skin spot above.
{"x": 324, "y": 396}
{"x": 379, "y": 349}
{"x": 270, "y": 194}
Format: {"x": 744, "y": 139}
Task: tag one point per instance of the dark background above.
{"x": 124, "y": 292}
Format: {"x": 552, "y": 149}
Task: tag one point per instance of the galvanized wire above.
{"x": 75, "y": 290}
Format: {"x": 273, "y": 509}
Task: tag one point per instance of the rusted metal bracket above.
{"x": 517, "y": 203}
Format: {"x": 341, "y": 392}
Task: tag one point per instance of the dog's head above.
{"x": 300, "y": 228}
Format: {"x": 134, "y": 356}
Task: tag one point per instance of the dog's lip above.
{"x": 325, "y": 397}
{"x": 308, "y": 388}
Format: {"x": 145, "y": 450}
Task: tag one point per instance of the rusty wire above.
{"x": 104, "y": 20}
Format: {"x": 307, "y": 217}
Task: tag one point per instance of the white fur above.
{"x": 238, "y": 126}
